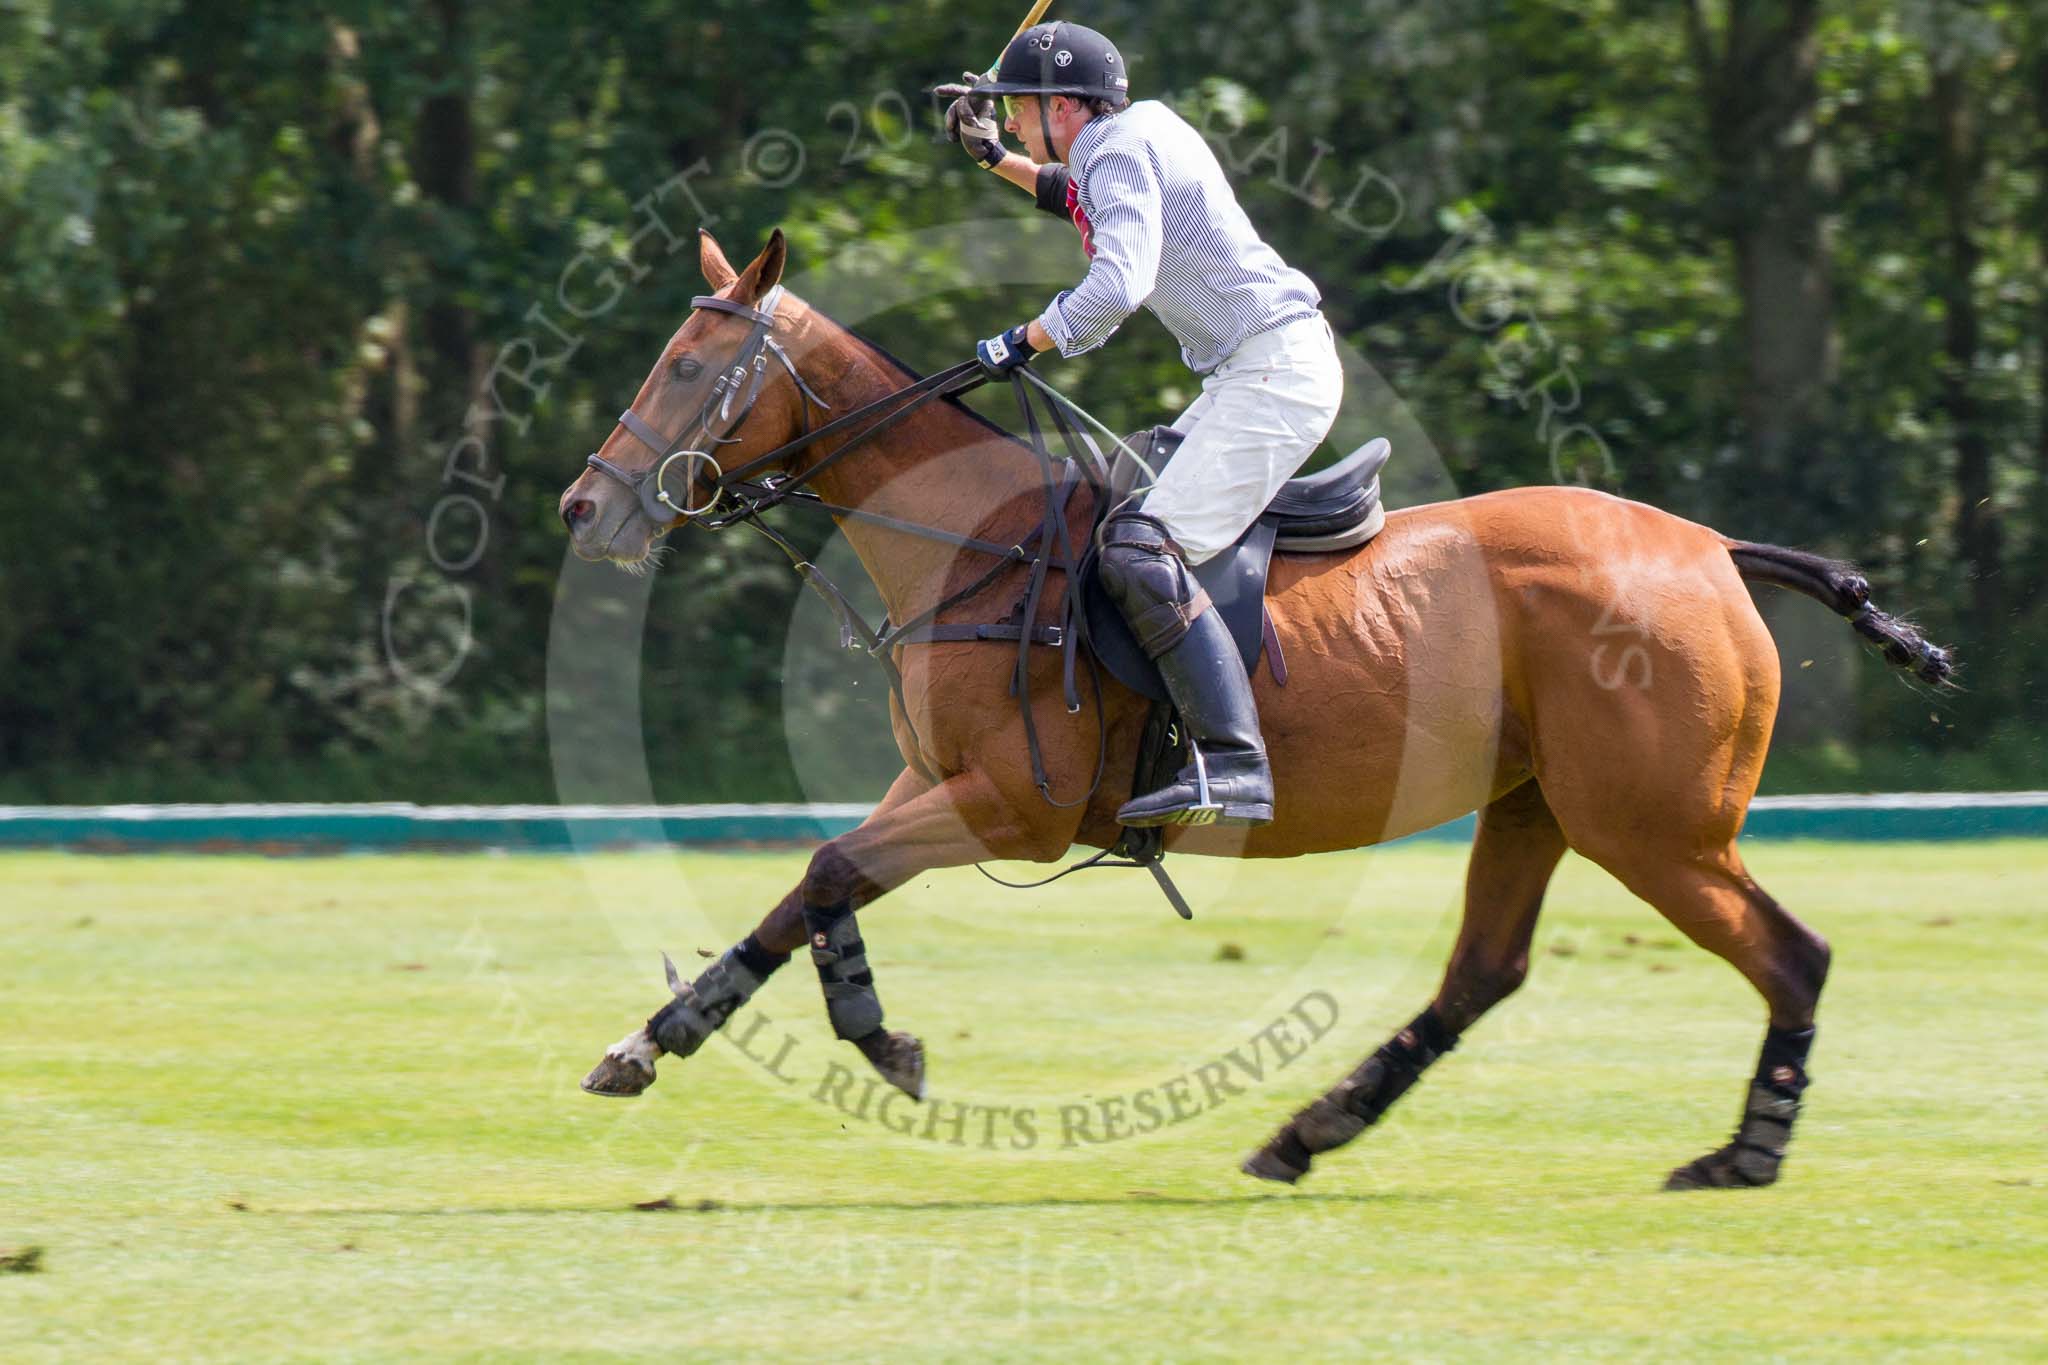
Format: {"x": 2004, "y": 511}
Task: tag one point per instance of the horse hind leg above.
{"x": 1514, "y": 854}
{"x": 1714, "y": 902}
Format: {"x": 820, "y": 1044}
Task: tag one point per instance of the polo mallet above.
{"x": 1037, "y": 12}
{"x": 955, "y": 90}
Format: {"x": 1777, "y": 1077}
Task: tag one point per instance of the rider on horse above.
{"x": 1162, "y": 228}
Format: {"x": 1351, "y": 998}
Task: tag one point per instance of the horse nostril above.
{"x": 578, "y": 512}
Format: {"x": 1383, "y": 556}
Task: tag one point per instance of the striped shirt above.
{"x": 1163, "y": 229}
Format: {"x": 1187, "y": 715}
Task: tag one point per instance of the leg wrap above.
{"x": 1757, "y": 1150}
{"x": 702, "y": 1007}
{"x": 842, "y": 961}
{"x": 1356, "y": 1102}
{"x": 1149, "y": 582}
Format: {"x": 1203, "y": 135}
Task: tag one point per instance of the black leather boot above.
{"x": 1228, "y": 782}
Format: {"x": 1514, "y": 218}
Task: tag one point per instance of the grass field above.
{"x": 327, "y": 1109}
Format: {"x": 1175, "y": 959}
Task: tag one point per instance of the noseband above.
{"x": 741, "y": 382}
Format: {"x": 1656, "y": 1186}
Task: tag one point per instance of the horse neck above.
{"x": 940, "y": 467}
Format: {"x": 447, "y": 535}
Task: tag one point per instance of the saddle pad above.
{"x": 1236, "y": 583}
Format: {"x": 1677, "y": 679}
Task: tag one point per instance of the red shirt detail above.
{"x": 1080, "y": 217}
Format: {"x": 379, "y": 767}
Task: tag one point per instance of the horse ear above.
{"x": 718, "y": 271}
{"x": 766, "y": 271}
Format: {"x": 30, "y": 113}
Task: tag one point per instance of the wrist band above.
{"x": 991, "y": 155}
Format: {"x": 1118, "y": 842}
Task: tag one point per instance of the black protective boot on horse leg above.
{"x": 1756, "y": 1152}
{"x": 681, "y": 1026}
{"x": 850, "y": 1000}
{"x": 1228, "y": 782}
{"x": 1355, "y": 1103}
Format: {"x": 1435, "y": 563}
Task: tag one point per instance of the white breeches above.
{"x": 1260, "y": 415}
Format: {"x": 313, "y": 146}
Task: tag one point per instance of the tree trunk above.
{"x": 456, "y": 361}
{"x": 1979, "y": 537}
{"x": 1761, "y": 84}
{"x": 445, "y": 166}
{"x": 2040, "y": 518}
{"x": 387, "y": 393}
{"x": 1762, "y": 95}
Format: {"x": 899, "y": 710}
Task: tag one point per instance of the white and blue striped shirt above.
{"x": 1165, "y": 231}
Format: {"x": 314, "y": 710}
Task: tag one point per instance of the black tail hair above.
{"x": 1842, "y": 589}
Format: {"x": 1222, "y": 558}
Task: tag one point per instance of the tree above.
{"x": 1759, "y": 78}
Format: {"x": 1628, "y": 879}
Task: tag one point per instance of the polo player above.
{"x": 1163, "y": 229}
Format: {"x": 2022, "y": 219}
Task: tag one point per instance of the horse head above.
{"x": 712, "y": 401}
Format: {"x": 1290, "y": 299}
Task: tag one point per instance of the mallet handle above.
{"x": 1038, "y": 9}
{"x": 1037, "y": 12}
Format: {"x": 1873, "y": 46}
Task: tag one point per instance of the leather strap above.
{"x": 645, "y": 434}
{"x": 760, "y": 317}
{"x": 942, "y": 633}
{"x": 1276, "y": 662}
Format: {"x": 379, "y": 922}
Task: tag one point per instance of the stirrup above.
{"x": 1204, "y": 810}
{"x": 1209, "y": 803}
{"x": 1207, "y": 809}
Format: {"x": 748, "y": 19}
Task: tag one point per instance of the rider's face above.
{"x": 1023, "y": 123}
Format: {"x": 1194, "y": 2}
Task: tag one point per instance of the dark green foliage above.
{"x": 256, "y": 260}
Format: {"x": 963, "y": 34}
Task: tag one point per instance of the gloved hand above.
{"x": 971, "y": 122}
{"x": 1001, "y": 354}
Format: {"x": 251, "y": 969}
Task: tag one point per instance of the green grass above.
{"x": 327, "y": 1109}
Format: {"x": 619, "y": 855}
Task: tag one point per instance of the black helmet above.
{"x": 1060, "y": 59}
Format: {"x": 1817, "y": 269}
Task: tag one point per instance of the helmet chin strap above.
{"x": 1045, "y": 98}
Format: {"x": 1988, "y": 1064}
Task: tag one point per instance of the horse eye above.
{"x": 688, "y": 367}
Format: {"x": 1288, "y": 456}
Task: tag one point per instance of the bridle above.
{"x": 748, "y": 374}
{"x": 743, "y": 493}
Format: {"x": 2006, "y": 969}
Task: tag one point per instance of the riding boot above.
{"x": 1228, "y": 780}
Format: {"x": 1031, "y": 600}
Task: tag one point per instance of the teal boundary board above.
{"x": 1895, "y": 817}
{"x": 399, "y": 826}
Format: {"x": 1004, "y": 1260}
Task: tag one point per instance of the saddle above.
{"x": 1336, "y": 509}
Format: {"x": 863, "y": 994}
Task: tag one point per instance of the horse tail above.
{"x": 1842, "y": 589}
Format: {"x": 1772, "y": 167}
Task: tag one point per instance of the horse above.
{"x": 1585, "y": 672}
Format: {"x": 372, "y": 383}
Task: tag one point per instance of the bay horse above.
{"x": 1586, "y": 672}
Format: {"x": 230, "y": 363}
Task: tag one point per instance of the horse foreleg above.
{"x": 962, "y": 820}
{"x": 1516, "y": 850}
{"x": 916, "y": 828}
{"x": 699, "y": 1009}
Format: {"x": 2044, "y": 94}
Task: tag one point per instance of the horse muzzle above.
{"x": 647, "y": 486}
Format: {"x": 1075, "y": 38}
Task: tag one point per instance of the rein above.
{"x": 740, "y": 495}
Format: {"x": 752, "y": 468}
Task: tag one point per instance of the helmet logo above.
{"x": 1063, "y": 58}
{"x": 1043, "y": 42}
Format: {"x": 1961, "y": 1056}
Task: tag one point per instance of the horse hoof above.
{"x": 899, "y": 1057}
{"x": 1266, "y": 1165}
{"x": 1695, "y": 1176}
{"x": 618, "y": 1077}
{"x": 1724, "y": 1170}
